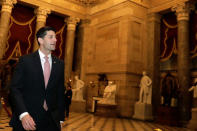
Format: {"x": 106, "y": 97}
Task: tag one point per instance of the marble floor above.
{"x": 89, "y": 122}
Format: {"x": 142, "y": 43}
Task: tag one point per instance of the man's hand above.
{"x": 28, "y": 123}
{"x": 61, "y": 124}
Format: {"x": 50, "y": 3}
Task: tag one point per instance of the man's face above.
{"x": 48, "y": 43}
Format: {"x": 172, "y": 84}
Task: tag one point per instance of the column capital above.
{"x": 71, "y": 22}
{"x": 154, "y": 17}
{"x": 7, "y": 5}
{"x": 42, "y": 13}
{"x": 182, "y": 10}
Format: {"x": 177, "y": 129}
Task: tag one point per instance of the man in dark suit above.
{"x": 68, "y": 98}
{"x": 37, "y": 88}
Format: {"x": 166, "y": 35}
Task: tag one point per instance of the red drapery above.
{"x": 169, "y": 45}
{"x": 22, "y": 32}
{"x": 58, "y": 23}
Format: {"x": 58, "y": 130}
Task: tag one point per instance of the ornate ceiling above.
{"x": 88, "y": 2}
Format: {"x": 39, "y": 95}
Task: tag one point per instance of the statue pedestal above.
{"x": 143, "y": 111}
{"x": 78, "y": 106}
{"x": 106, "y": 110}
{"x": 192, "y": 123}
{"x": 167, "y": 116}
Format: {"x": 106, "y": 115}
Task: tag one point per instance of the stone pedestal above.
{"x": 78, "y": 106}
{"x": 167, "y": 116}
{"x": 192, "y": 123}
{"x": 106, "y": 110}
{"x": 143, "y": 111}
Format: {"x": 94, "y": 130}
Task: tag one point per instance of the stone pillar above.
{"x": 70, "y": 37}
{"x": 81, "y": 40}
{"x": 153, "y": 63}
{"x": 40, "y": 22}
{"x": 184, "y": 101}
{"x": 81, "y": 51}
{"x": 6, "y": 10}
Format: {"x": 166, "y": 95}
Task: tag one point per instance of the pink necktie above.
{"x": 47, "y": 72}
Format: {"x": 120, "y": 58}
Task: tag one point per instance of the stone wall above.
{"x": 117, "y": 48}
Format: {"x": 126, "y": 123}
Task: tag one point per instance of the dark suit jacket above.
{"x": 68, "y": 97}
{"x": 27, "y": 89}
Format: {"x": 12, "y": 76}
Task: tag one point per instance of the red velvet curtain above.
{"x": 58, "y": 23}
{"x": 21, "y": 32}
{"x": 168, "y": 46}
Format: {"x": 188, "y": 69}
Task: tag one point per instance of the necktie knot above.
{"x": 46, "y": 58}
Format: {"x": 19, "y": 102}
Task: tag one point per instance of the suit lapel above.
{"x": 38, "y": 66}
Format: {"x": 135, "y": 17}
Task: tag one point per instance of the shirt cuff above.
{"x": 23, "y": 114}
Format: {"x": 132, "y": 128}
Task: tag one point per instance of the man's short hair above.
{"x": 43, "y": 31}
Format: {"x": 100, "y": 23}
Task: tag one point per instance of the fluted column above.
{"x": 184, "y": 103}
{"x": 6, "y": 10}
{"x": 42, "y": 14}
{"x": 70, "y": 37}
{"x": 153, "y": 65}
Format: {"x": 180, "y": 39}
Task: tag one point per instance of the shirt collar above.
{"x": 42, "y": 55}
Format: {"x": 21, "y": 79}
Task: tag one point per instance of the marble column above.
{"x": 70, "y": 37}
{"x": 80, "y": 46}
{"x": 40, "y": 22}
{"x": 184, "y": 101}
{"x": 80, "y": 64}
{"x": 6, "y": 10}
{"x": 153, "y": 63}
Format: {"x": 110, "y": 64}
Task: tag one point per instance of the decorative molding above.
{"x": 9, "y": 2}
{"x": 85, "y": 22}
{"x": 154, "y": 17}
{"x": 71, "y": 22}
{"x": 182, "y": 10}
{"x": 88, "y": 2}
{"x": 42, "y": 13}
{"x": 7, "y": 5}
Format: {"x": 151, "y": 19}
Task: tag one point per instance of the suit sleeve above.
{"x": 16, "y": 88}
{"x": 61, "y": 90}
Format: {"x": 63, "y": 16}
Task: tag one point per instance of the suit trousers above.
{"x": 67, "y": 109}
{"x": 46, "y": 123}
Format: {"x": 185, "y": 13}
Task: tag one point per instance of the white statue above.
{"x": 78, "y": 89}
{"x": 194, "y": 88}
{"x": 145, "y": 89}
{"x": 109, "y": 94}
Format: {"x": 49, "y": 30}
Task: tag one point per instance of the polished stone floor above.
{"x": 89, "y": 122}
